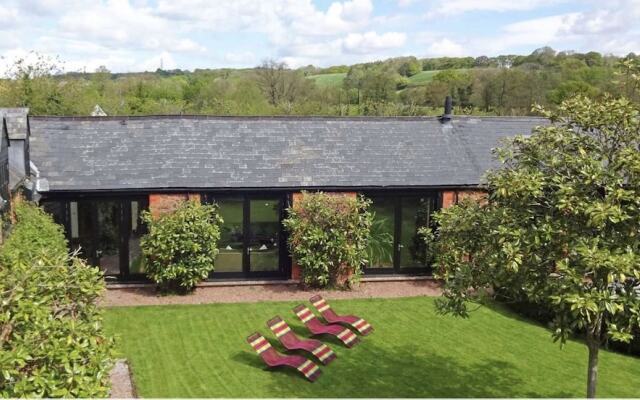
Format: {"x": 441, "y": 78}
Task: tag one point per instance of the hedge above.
{"x": 52, "y": 342}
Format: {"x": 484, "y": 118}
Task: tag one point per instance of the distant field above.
{"x": 422, "y": 78}
{"x": 334, "y": 80}
{"x": 325, "y": 80}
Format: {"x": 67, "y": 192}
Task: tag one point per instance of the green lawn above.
{"x": 324, "y": 80}
{"x": 200, "y": 351}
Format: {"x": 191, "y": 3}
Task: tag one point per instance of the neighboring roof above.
{"x": 154, "y": 152}
{"x": 98, "y": 111}
{"x": 17, "y": 122}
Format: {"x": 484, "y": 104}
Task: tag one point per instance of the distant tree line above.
{"x": 503, "y": 85}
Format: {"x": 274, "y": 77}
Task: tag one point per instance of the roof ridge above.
{"x": 272, "y": 117}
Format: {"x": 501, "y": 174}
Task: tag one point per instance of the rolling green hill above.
{"x": 335, "y": 80}
{"x": 422, "y": 78}
{"x": 324, "y": 80}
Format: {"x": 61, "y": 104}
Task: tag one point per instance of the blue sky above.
{"x": 135, "y": 35}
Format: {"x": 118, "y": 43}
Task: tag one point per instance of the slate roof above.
{"x": 155, "y": 152}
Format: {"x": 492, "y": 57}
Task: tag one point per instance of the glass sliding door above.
{"x": 416, "y": 213}
{"x": 251, "y": 236}
{"x": 396, "y": 245}
{"x": 137, "y": 228}
{"x": 82, "y": 227}
{"x": 381, "y": 244}
{"x": 231, "y": 244}
{"x": 105, "y": 232}
{"x": 264, "y": 237}
{"x": 108, "y": 245}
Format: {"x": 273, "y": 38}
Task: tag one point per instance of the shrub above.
{"x": 34, "y": 235}
{"x": 328, "y": 237}
{"x": 51, "y": 336}
{"x": 181, "y": 246}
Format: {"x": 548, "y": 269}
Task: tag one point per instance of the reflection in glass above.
{"x": 264, "y": 238}
{"x": 416, "y": 213}
{"x": 81, "y": 230}
{"x": 230, "y": 245}
{"x": 136, "y": 260}
{"x": 108, "y": 241}
{"x": 380, "y": 249}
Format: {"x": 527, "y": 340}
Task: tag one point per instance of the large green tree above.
{"x": 560, "y": 227}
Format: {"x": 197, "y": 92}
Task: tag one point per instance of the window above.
{"x": 396, "y": 245}
{"x": 251, "y": 236}
{"x": 106, "y": 232}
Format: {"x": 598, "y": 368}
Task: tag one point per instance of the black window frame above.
{"x": 397, "y": 196}
{"x": 124, "y": 203}
{"x": 284, "y": 258}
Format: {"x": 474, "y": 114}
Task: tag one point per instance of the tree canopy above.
{"x": 502, "y": 85}
{"x": 560, "y": 226}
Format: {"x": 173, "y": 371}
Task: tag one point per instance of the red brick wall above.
{"x": 163, "y": 203}
{"x": 451, "y": 197}
{"x": 296, "y": 271}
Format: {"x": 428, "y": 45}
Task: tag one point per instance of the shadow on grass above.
{"x": 378, "y": 372}
{"x": 254, "y": 361}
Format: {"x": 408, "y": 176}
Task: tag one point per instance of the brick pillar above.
{"x": 296, "y": 271}
{"x": 162, "y": 203}
{"x": 448, "y": 198}
{"x": 452, "y": 197}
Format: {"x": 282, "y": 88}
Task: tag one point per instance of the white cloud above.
{"x": 370, "y": 42}
{"x": 455, "y": 7}
{"x": 126, "y": 35}
{"x": 269, "y": 16}
{"x": 240, "y": 58}
{"x": 117, "y": 23}
{"x": 8, "y": 17}
{"x": 446, "y": 48}
{"x": 540, "y": 30}
{"x": 151, "y": 64}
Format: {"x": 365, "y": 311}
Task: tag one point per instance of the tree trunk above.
{"x": 592, "y": 372}
{"x": 593, "y": 344}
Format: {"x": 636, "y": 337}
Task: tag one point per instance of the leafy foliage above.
{"x": 560, "y": 227}
{"x": 328, "y": 237}
{"x": 51, "y": 334}
{"x": 181, "y": 246}
{"x": 33, "y": 237}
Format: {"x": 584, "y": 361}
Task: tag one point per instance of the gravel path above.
{"x": 271, "y": 292}
{"x": 121, "y": 385}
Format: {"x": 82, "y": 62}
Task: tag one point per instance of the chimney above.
{"x": 448, "y": 110}
{"x": 17, "y": 124}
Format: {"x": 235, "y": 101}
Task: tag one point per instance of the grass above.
{"x": 335, "y": 80}
{"x": 325, "y": 80}
{"x": 422, "y": 78}
{"x": 200, "y": 351}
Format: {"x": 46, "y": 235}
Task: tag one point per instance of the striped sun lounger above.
{"x": 272, "y": 358}
{"x": 362, "y": 326}
{"x": 292, "y": 342}
{"x": 318, "y": 328}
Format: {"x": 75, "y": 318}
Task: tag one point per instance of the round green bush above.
{"x": 181, "y": 246}
{"x": 328, "y": 238}
{"x": 52, "y": 342}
